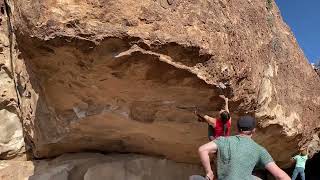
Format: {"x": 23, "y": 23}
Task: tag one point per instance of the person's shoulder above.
{"x": 304, "y": 157}
{"x": 220, "y": 138}
{"x": 228, "y": 138}
{"x": 296, "y": 156}
{"x": 224, "y": 139}
{"x": 259, "y": 147}
{"x": 264, "y": 155}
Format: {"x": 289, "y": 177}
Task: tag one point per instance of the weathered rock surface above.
{"x": 16, "y": 170}
{"x": 124, "y": 75}
{"x": 11, "y": 135}
{"x": 97, "y": 167}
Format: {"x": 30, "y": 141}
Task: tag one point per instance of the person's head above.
{"x": 303, "y": 152}
{"x": 246, "y": 125}
{"x": 224, "y": 116}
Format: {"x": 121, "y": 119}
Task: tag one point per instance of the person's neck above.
{"x": 245, "y": 135}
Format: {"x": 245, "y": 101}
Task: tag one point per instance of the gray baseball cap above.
{"x": 246, "y": 123}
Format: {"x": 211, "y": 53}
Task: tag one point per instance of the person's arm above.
{"x": 208, "y": 119}
{"x": 267, "y": 161}
{"x": 204, "y": 152}
{"x": 278, "y": 173}
{"x": 307, "y": 150}
{"x": 226, "y": 101}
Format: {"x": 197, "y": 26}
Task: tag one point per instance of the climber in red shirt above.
{"x": 220, "y": 126}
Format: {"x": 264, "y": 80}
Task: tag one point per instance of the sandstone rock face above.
{"x": 11, "y": 136}
{"x": 125, "y": 75}
{"x": 317, "y": 68}
{"x": 97, "y": 167}
{"x": 16, "y": 170}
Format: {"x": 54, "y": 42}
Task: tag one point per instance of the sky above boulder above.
{"x": 303, "y": 19}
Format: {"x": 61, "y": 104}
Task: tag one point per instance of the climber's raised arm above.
{"x": 226, "y": 101}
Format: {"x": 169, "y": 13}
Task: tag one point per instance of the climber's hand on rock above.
{"x": 200, "y": 117}
{"x": 223, "y": 97}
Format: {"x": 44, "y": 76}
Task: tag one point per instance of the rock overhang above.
{"x": 246, "y": 50}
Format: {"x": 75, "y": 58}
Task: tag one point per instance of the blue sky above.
{"x": 303, "y": 17}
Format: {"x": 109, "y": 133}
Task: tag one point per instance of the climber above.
{"x": 219, "y": 126}
{"x": 300, "y": 161}
{"x": 238, "y": 155}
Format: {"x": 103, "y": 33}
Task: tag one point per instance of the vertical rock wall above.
{"x": 11, "y": 134}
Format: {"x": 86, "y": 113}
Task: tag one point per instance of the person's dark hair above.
{"x": 303, "y": 152}
{"x": 225, "y": 116}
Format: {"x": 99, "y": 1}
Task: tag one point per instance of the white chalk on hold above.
{"x": 80, "y": 114}
{"x": 221, "y": 85}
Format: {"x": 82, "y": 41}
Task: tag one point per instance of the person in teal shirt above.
{"x": 300, "y": 160}
{"x": 238, "y": 155}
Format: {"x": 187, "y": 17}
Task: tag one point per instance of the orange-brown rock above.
{"x": 125, "y": 75}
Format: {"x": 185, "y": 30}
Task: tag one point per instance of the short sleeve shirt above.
{"x": 237, "y": 156}
{"x": 301, "y": 161}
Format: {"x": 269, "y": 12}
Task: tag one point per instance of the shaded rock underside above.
{"x": 89, "y": 166}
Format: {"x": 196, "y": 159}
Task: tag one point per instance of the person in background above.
{"x": 300, "y": 161}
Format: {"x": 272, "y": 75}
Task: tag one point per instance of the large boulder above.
{"x": 91, "y": 166}
{"x": 126, "y": 75}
